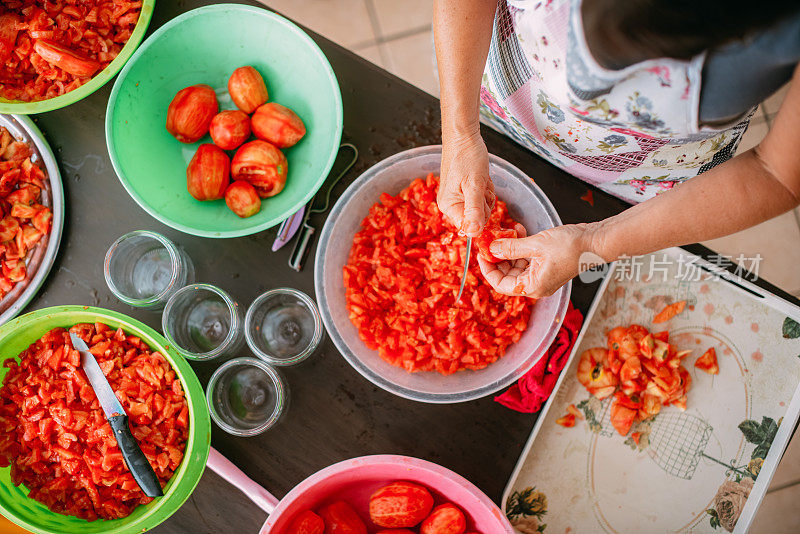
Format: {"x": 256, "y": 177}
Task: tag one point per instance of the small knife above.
{"x": 135, "y": 459}
{"x": 466, "y": 269}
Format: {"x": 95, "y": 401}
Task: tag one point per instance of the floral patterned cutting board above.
{"x": 702, "y": 470}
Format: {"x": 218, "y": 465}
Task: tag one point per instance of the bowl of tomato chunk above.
{"x": 60, "y": 468}
{"x": 57, "y": 53}
{"x": 387, "y": 273}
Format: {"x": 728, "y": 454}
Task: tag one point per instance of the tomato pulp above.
{"x": 402, "y": 279}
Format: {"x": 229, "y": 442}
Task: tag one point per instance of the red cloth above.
{"x": 533, "y": 389}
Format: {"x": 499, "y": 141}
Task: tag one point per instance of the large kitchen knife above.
{"x": 137, "y": 462}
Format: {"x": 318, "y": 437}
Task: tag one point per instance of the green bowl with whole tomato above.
{"x": 16, "y": 336}
{"x": 99, "y": 80}
{"x": 204, "y": 46}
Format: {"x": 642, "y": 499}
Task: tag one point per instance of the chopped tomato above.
{"x": 488, "y": 236}
{"x": 670, "y": 311}
{"x": 56, "y": 438}
{"x": 622, "y": 418}
{"x": 574, "y": 411}
{"x": 401, "y": 281}
{"x": 708, "y": 362}
{"x": 636, "y": 437}
{"x": 567, "y": 421}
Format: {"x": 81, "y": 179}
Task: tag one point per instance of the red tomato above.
{"x": 396, "y": 531}
{"x": 66, "y": 59}
{"x": 278, "y": 125}
{"x": 229, "y": 129}
{"x": 567, "y": 420}
{"x": 708, "y": 362}
{"x": 622, "y": 417}
{"x": 399, "y": 505}
{"x": 261, "y": 164}
{"x": 208, "y": 174}
{"x": 669, "y": 312}
{"x": 247, "y": 89}
{"x": 485, "y": 239}
{"x": 340, "y": 518}
{"x": 190, "y": 113}
{"x": 242, "y": 198}
{"x": 307, "y": 523}
{"x": 445, "y": 519}
{"x": 401, "y": 281}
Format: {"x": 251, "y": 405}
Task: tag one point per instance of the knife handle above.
{"x": 301, "y": 247}
{"x": 137, "y": 462}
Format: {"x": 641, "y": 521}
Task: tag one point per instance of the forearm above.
{"x": 731, "y": 197}
{"x": 462, "y": 33}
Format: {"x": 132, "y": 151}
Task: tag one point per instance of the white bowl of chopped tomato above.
{"x": 56, "y": 53}
{"x": 60, "y": 468}
{"x": 387, "y": 273}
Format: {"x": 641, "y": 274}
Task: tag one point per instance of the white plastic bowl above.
{"x": 526, "y": 203}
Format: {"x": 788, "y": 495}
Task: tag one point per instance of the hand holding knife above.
{"x": 135, "y": 459}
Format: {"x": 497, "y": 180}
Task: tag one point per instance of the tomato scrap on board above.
{"x": 402, "y": 278}
{"x": 641, "y": 369}
{"x": 55, "y": 436}
{"x": 50, "y": 48}
{"x": 708, "y": 362}
{"x": 669, "y": 312}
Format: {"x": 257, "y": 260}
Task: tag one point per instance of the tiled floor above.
{"x": 397, "y": 35}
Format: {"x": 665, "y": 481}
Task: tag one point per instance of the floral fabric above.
{"x": 633, "y": 132}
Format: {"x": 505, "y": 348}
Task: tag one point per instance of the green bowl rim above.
{"x": 337, "y": 93}
{"x": 189, "y": 473}
{"x": 41, "y": 106}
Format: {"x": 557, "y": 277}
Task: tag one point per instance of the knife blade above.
{"x": 466, "y": 269}
{"x": 135, "y": 459}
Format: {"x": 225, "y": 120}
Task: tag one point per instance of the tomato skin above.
{"x": 487, "y": 237}
{"x": 190, "y": 113}
{"x": 242, "y": 199}
{"x": 247, "y": 89}
{"x": 229, "y": 129}
{"x": 307, "y": 522}
{"x": 400, "y": 505}
{"x": 567, "y": 421}
{"x": 708, "y": 362}
{"x": 66, "y": 59}
{"x": 261, "y": 164}
{"x": 445, "y": 519}
{"x": 208, "y": 174}
{"x": 340, "y": 518}
{"x": 278, "y": 125}
{"x": 669, "y": 311}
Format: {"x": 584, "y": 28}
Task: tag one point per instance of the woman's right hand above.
{"x": 466, "y": 193}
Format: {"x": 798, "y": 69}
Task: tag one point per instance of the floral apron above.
{"x": 633, "y": 132}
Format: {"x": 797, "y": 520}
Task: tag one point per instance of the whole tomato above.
{"x": 340, "y": 518}
{"x": 400, "y": 505}
{"x": 247, "y": 89}
{"x": 278, "y": 124}
{"x": 261, "y": 164}
{"x": 208, "y": 173}
{"x": 242, "y": 198}
{"x": 307, "y": 523}
{"x": 396, "y": 531}
{"x": 229, "y": 129}
{"x": 445, "y": 519}
{"x": 190, "y": 113}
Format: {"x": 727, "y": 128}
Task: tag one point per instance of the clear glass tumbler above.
{"x": 143, "y": 269}
{"x": 283, "y": 326}
{"x": 202, "y": 322}
{"x": 246, "y": 396}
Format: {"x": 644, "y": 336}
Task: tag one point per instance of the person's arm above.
{"x": 755, "y": 186}
{"x": 462, "y": 32}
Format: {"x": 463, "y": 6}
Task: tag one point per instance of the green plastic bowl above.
{"x": 205, "y": 46}
{"x": 27, "y": 108}
{"x": 16, "y": 336}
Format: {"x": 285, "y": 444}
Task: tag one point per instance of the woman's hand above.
{"x": 538, "y": 265}
{"x": 466, "y": 193}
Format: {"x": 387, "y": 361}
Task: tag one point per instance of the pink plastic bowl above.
{"x": 355, "y": 480}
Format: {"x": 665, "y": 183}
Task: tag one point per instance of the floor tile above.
{"x": 778, "y": 513}
{"x": 789, "y": 469}
{"x": 345, "y": 22}
{"x": 773, "y": 103}
{"x": 396, "y": 17}
{"x": 412, "y": 59}
{"x": 755, "y": 132}
{"x": 373, "y": 53}
{"x": 778, "y": 242}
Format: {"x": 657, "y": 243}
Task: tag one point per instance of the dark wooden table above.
{"x": 335, "y": 414}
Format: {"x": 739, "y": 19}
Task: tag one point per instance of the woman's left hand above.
{"x": 536, "y": 266}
